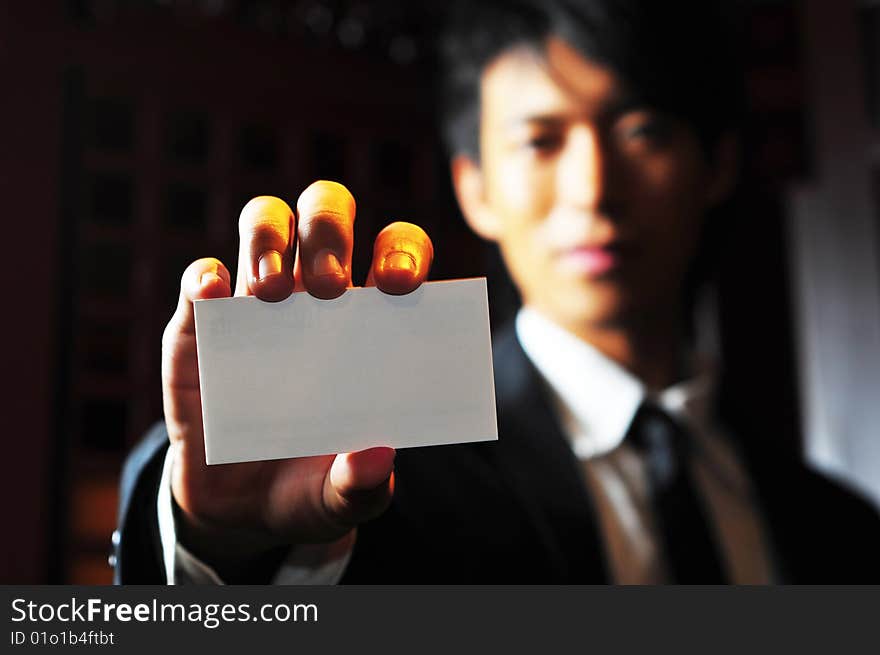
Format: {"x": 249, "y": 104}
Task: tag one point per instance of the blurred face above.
{"x": 596, "y": 203}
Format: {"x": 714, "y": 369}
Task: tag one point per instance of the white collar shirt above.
{"x": 595, "y": 400}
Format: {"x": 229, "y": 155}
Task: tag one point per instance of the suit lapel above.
{"x": 536, "y": 460}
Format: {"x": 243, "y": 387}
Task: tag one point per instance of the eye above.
{"x": 652, "y": 129}
{"x": 644, "y": 127}
{"x": 543, "y": 143}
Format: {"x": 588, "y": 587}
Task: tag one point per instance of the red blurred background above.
{"x": 133, "y": 132}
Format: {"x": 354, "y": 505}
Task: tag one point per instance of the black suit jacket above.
{"x": 516, "y": 510}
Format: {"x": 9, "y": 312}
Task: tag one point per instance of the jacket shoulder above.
{"x": 136, "y": 544}
{"x": 826, "y": 532}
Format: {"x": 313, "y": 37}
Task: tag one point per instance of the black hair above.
{"x": 676, "y": 56}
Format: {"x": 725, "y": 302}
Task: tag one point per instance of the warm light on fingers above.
{"x": 362, "y": 471}
{"x": 324, "y": 196}
{"x": 402, "y": 257}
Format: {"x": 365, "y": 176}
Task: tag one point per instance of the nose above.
{"x": 582, "y": 178}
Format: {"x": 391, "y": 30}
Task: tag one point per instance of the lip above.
{"x": 591, "y": 260}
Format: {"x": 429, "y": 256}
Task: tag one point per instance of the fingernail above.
{"x": 270, "y": 264}
{"x": 327, "y": 263}
{"x": 399, "y": 261}
{"x": 208, "y": 278}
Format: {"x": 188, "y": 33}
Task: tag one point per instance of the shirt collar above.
{"x": 596, "y": 396}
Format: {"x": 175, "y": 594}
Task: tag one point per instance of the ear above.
{"x": 467, "y": 179}
{"x": 725, "y": 169}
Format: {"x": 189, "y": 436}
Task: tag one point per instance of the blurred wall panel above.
{"x": 29, "y": 161}
{"x": 833, "y": 231}
{"x": 133, "y": 133}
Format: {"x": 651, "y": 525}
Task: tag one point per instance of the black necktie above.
{"x": 688, "y": 542}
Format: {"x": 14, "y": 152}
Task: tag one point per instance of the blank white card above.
{"x": 309, "y": 377}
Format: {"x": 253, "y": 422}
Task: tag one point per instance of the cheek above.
{"x": 522, "y": 195}
{"x": 667, "y": 200}
{"x": 521, "y": 189}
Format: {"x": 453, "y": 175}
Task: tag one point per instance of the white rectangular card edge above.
{"x": 396, "y": 444}
{"x": 491, "y": 435}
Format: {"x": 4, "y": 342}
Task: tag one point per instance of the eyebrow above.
{"x": 620, "y": 104}
{"x": 548, "y": 120}
{"x": 625, "y": 102}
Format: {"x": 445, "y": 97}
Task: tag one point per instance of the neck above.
{"x": 651, "y": 348}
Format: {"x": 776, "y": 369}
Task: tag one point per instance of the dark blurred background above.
{"x": 134, "y": 131}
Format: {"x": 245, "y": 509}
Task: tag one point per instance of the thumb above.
{"x": 203, "y": 279}
{"x": 359, "y": 486}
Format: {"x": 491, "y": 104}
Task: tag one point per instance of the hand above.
{"x": 234, "y": 513}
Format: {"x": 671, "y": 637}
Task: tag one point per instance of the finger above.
{"x": 326, "y": 237}
{"x": 204, "y": 278}
{"x": 402, "y": 257}
{"x": 359, "y": 486}
{"x": 265, "y": 252}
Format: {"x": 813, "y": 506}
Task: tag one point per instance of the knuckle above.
{"x": 261, "y": 230}
{"x": 192, "y": 272}
{"x": 409, "y": 231}
{"x": 403, "y": 226}
{"x": 203, "y": 264}
{"x": 262, "y": 211}
{"x": 321, "y": 188}
{"x": 325, "y": 222}
{"x": 325, "y": 197}
{"x": 357, "y": 506}
{"x": 264, "y": 234}
{"x": 332, "y": 516}
{"x": 189, "y": 272}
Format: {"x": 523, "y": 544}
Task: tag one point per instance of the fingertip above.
{"x": 325, "y": 195}
{"x": 326, "y": 235}
{"x": 202, "y": 280}
{"x": 265, "y": 256}
{"x": 328, "y": 287}
{"x": 327, "y": 277}
{"x": 363, "y": 470}
{"x": 402, "y": 257}
{"x": 273, "y": 288}
{"x": 205, "y": 278}
{"x": 211, "y": 285}
{"x": 380, "y": 457}
{"x": 398, "y": 273}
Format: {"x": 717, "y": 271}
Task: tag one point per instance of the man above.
{"x": 590, "y": 141}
